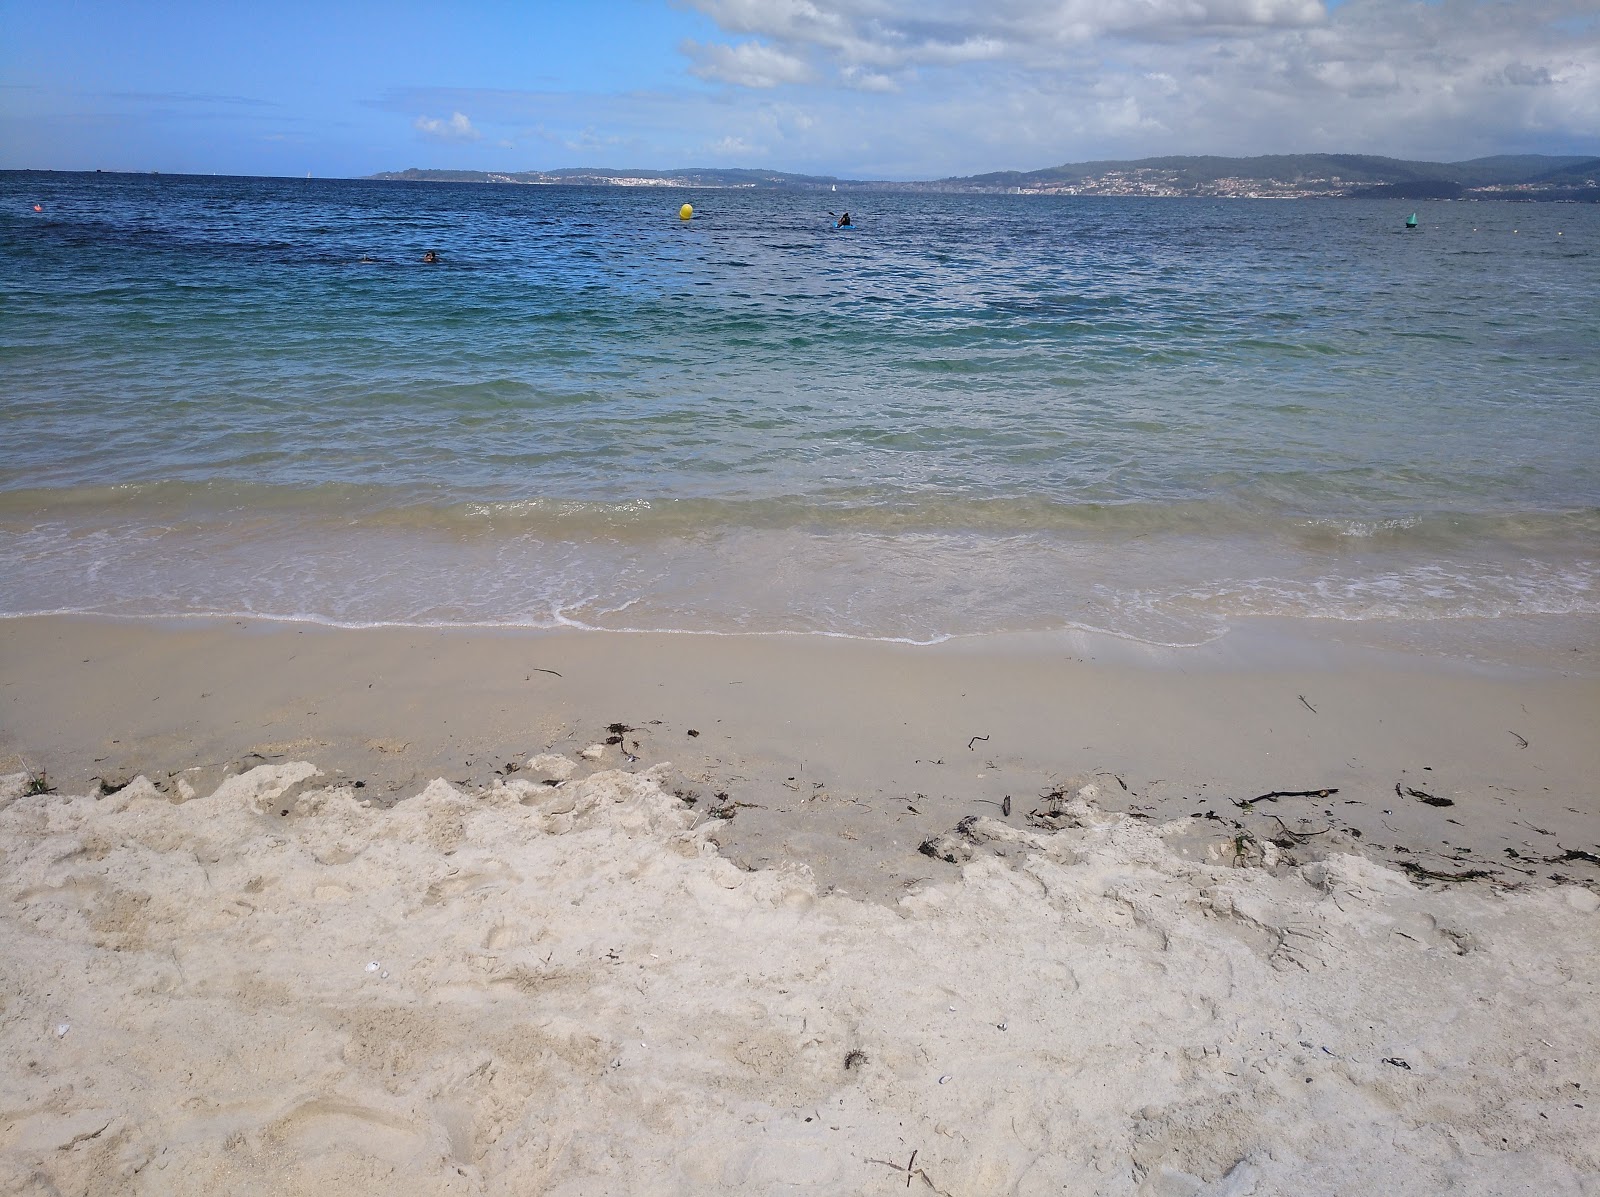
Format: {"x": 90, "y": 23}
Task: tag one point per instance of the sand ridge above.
{"x": 282, "y": 987}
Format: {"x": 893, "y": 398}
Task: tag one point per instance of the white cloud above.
{"x": 734, "y": 147}
{"x": 863, "y": 79}
{"x": 748, "y": 64}
{"x": 457, "y": 128}
{"x": 901, "y": 33}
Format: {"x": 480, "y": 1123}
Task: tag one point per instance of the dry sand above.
{"x": 247, "y": 973}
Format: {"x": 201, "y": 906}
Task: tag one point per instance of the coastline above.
{"x": 327, "y": 941}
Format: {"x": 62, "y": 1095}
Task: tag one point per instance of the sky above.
{"x": 884, "y": 89}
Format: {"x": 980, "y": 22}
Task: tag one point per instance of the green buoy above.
{"x": 1411, "y": 221}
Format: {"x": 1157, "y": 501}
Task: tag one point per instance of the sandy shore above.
{"x": 845, "y": 755}
{"x": 1020, "y": 906}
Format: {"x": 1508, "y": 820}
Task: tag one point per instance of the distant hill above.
{"x": 1290, "y": 175}
{"x": 1514, "y": 168}
{"x": 1198, "y": 171}
{"x": 1277, "y": 176}
{"x": 1584, "y": 173}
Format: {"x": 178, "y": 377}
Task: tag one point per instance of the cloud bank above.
{"x": 1043, "y": 81}
{"x": 933, "y": 88}
{"x": 457, "y": 128}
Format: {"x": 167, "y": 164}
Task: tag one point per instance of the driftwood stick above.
{"x": 1276, "y": 794}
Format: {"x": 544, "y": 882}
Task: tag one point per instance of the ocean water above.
{"x": 1157, "y": 418}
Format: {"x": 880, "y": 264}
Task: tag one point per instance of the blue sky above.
{"x": 861, "y": 88}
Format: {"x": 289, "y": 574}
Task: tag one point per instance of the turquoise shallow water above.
{"x": 969, "y": 414}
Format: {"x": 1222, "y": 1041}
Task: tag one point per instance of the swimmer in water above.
{"x": 430, "y": 256}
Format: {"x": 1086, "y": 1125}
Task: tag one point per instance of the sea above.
{"x": 1156, "y": 418}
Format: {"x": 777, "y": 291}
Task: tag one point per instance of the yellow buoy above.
{"x": 685, "y": 212}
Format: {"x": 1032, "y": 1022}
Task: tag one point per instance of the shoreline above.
{"x": 846, "y": 755}
{"x": 1566, "y": 643}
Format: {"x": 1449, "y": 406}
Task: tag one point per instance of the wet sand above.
{"x": 846, "y": 755}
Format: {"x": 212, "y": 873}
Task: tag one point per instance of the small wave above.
{"x": 888, "y": 511}
{"x": 549, "y": 625}
{"x": 1437, "y": 592}
{"x": 917, "y": 586}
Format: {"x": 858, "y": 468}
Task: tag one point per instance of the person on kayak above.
{"x": 844, "y": 222}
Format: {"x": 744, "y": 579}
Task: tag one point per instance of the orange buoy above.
{"x": 37, "y": 208}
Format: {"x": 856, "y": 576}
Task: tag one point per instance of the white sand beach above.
{"x": 834, "y": 941}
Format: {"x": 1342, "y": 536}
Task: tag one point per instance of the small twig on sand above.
{"x": 1297, "y": 836}
{"x": 1308, "y": 706}
{"x": 905, "y": 1168}
{"x": 1522, "y": 741}
{"x": 536, "y": 669}
{"x": 1276, "y": 794}
{"x": 974, "y": 740}
{"x": 911, "y": 1171}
